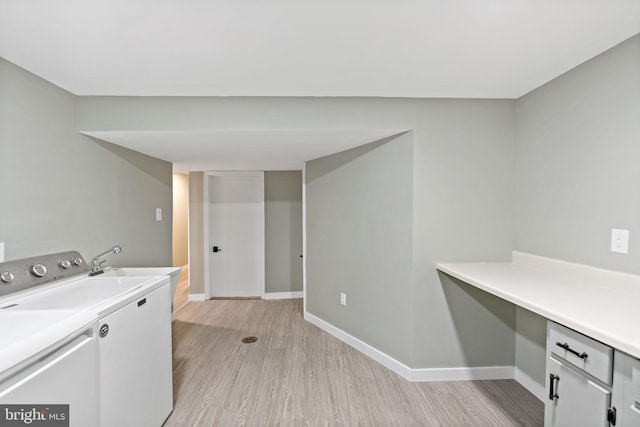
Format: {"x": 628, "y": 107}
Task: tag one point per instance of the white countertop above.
{"x": 602, "y": 304}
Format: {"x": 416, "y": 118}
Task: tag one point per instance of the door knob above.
{"x": 217, "y": 249}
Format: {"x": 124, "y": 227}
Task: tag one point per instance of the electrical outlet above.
{"x": 619, "y": 241}
{"x": 343, "y": 298}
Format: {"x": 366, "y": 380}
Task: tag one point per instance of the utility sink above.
{"x": 172, "y": 272}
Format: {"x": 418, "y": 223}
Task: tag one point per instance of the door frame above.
{"x": 207, "y": 238}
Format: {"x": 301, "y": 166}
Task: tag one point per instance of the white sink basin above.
{"x": 142, "y": 272}
{"x": 172, "y": 272}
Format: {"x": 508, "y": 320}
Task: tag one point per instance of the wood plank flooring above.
{"x": 298, "y": 375}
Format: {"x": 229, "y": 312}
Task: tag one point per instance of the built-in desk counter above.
{"x": 602, "y": 304}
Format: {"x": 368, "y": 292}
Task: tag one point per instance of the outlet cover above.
{"x": 619, "y": 241}
{"x": 343, "y": 298}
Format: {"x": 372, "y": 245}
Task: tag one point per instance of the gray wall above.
{"x": 283, "y": 231}
{"x": 464, "y": 145}
{"x": 463, "y": 210}
{"x": 64, "y": 191}
{"x": 579, "y": 162}
{"x": 531, "y": 344}
{"x": 578, "y": 168}
{"x": 359, "y": 234}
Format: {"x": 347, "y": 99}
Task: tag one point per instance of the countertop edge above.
{"x": 464, "y": 272}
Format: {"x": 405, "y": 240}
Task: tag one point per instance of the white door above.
{"x": 236, "y": 234}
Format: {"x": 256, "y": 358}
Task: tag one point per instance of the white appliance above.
{"x": 172, "y": 272}
{"x": 136, "y": 385}
{"x": 126, "y": 345}
{"x": 64, "y": 373}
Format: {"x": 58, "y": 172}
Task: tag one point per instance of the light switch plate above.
{"x": 1, "y": 251}
{"x": 158, "y": 214}
{"x": 619, "y": 241}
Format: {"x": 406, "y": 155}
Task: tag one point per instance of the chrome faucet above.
{"x": 96, "y": 262}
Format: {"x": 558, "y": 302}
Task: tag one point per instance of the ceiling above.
{"x": 381, "y": 48}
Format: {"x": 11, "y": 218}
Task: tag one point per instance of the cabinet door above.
{"x": 580, "y": 402}
{"x": 627, "y": 390}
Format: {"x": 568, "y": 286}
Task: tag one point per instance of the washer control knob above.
{"x": 6, "y": 277}
{"x": 38, "y": 270}
{"x": 64, "y": 264}
{"x": 77, "y": 262}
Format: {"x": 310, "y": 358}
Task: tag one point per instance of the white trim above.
{"x": 282, "y": 295}
{"x": 197, "y": 297}
{"x": 530, "y": 384}
{"x": 414, "y": 375}
{"x": 207, "y": 242}
{"x": 462, "y": 374}
{"x": 205, "y": 260}
{"x": 304, "y": 238}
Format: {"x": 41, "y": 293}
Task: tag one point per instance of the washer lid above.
{"x": 25, "y": 333}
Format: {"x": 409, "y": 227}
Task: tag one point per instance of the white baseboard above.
{"x": 530, "y": 384}
{"x": 414, "y": 375}
{"x": 196, "y": 297}
{"x": 282, "y": 295}
{"x": 462, "y": 374}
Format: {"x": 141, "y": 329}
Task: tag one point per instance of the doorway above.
{"x": 234, "y": 234}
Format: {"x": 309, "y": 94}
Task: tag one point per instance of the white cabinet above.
{"x": 578, "y": 401}
{"x": 627, "y": 390}
{"x": 579, "y": 379}
{"x": 135, "y": 363}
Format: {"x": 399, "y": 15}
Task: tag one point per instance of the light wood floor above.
{"x": 298, "y": 375}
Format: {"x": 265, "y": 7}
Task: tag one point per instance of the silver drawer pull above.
{"x": 565, "y": 346}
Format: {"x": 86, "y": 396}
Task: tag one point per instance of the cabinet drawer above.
{"x": 586, "y": 353}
